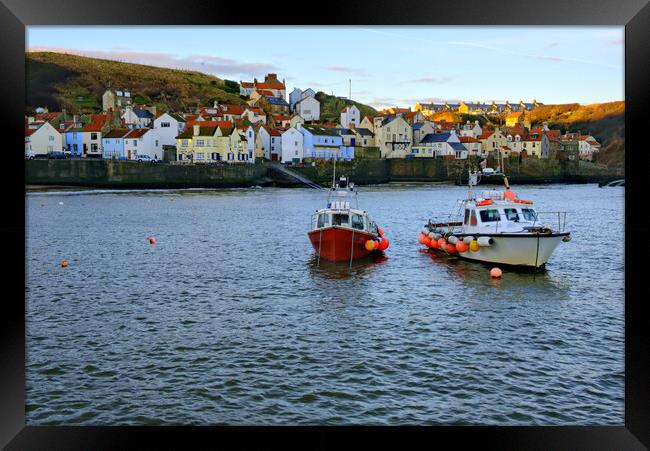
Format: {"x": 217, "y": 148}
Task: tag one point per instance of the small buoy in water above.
{"x": 152, "y": 240}
{"x": 60, "y": 203}
{"x": 370, "y": 245}
{"x": 64, "y": 263}
{"x": 496, "y": 273}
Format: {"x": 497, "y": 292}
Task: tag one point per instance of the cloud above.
{"x": 550, "y": 45}
{"x": 550, "y": 58}
{"x": 210, "y": 64}
{"x": 431, "y": 80}
{"x": 349, "y": 70}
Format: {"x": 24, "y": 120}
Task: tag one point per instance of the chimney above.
{"x": 196, "y": 130}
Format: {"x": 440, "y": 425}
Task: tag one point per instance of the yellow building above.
{"x": 207, "y": 144}
{"x": 492, "y": 141}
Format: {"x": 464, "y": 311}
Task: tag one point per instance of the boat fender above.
{"x": 425, "y": 230}
{"x": 484, "y": 241}
{"x": 370, "y": 245}
{"x": 421, "y": 238}
{"x": 567, "y": 238}
{"x": 431, "y": 234}
{"x": 468, "y": 239}
{"x": 436, "y": 236}
{"x": 452, "y": 239}
{"x": 473, "y": 246}
{"x": 461, "y": 247}
{"x": 384, "y": 244}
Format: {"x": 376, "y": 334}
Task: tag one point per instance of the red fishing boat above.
{"x": 341, "y": 233}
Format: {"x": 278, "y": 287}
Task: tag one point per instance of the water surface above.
{"x": 230, "y": 318}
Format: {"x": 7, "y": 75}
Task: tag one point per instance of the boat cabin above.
{"x": 498, "y": 216}
{"x": 341, "y": 215}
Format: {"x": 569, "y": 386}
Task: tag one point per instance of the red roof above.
{"x": 222, "y": 124}
{"x": 468, "y": 139}
{"x": 233, "y": 109}
{"x": 246, "y": 84}
{"x": 265, "y": 92}
{"x": 486, "y": 134}
{"x": 47, "y": 117}
{"x": 270, "y": 85}
{"x": 255, "y": 109}
{"x": 272, "y": 131}
{"x": 96, "y": 123}
{"x": 281, "y": 118}
{"x": 137, "y": 133}
{"x": 30, "y": 131}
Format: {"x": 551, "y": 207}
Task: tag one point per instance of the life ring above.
{"x": 482, "y": 203}
{"x": 522, "y": 201}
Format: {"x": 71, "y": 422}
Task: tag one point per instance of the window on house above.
{"x": 164, "y": 124}
{"x": 200, "y": 143}
{"x": 93, "y": 136}
{"x": 200, "y": 156}
{"x": 184, "y": 143}
{"x": 51, "y": 138}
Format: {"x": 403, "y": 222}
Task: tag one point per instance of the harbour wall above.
{"x": 124, "y": 174}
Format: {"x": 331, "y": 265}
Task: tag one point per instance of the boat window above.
{"x": 357, "y": 222}
{"x": 529, "y": 214}
{"x": 472, "y": 220}
{"x": 489, "y": 215}
{"x": 340, "y": 219}
{"x": 323, "y": 220}
{"x": 466, "y": 216}
{"x": 511, "y": 214}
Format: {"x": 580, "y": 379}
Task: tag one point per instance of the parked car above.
{"x": 30, "y": 155}
{"x": 145, "y": 159}
{"x": 59, "y": 154}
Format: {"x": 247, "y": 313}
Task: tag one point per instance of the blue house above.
{"x": 113, "y": 144}
{"x": 326, "y": 143}
{"x": 74, "y": 141}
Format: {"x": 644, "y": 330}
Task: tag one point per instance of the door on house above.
{"x": 353, "y": 141}
{"x": 129, "y": 156}
{"x": 274, "y": 157}
{"x": 85, "y": 148}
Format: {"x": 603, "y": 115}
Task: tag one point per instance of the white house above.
{"x": 473, "y": 130}
{"x": 422, "y": 129}
{"x": 169, "y": 126}
{"x": 292, "y": 145}
{"x": 254, "y": 114}
{"x": 308, "y": 108}
{"x": 42, "y": 138}
{"x": 143, "y": 141}
{"x": 394, "y": 136}
{"x": 350, "y": 117}
{"x": 138, "y": 117}
{"x": 270, "y": 143}
{"x": 440, "y": 145}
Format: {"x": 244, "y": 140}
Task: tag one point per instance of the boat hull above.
{"x": 340, "y": 243}
{"x": 531, "y": 251}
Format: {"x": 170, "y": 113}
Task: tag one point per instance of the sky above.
{"x": 388, "y": 65}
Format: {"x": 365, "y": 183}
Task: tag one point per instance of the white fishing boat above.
{"x": 497, "y": 227}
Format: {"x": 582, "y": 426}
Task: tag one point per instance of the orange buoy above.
{"x": 496, "y": 273}
{"x": 482, "y": 203}
{"x": 383, "y": 245}
{"x": 450, "y": 248}
{"x": 370, "y": 245}
{"x": 421, "y": 238}
{"x": 64, "y": 263}
{"x": 434, "y": 244}
{"x": 442, "y": 243}
{"x": 461, "y": 246}
{"x": 427, "y": 241}
{"x": 152, "y": 240}
{"x": 509, "y": 194}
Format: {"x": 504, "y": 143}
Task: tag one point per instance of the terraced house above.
{"x": 211, "y": 143}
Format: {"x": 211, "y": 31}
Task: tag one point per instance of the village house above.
{"x": 471, "y": 129}
{"x": 368, "y": 122}
{"x": 350, "y": 116}
{"x": 422, "y": 129}
{"x": 292, "y": 146}
{"x": 394, "y": 137}
{"x": 230, "y": 147}
{"x": 349, "y": 137}
{"x": 298, "y": 94}
{"x": 473, "y": 145}
{"x": 74, "y": 139}
{"x": 516, "y": 137}
{"x": 137, "y": 117}
{"x": 246, "y": 88}
{"x": 254, "y": 114}
{"x": 308, "y": 108}
{"x": 537, "y": 145}
{"x": 169, "y": 126}
{"x": 325, "y": 143}
{"x": 440, "y": 145}
{"x": 113, "y": 144}
{"x": 115, "y": 99}
{"x": 492, "y": 140}
{"x": 92, "y": 135}
{"x": 296, "y": 120}
{"x": 414, "y": 117}
{"x": 42, "y": 138}
{"x": 195, "y": 142}
{"x": 270, "y": 84}
{"x": 142, "y": 141}
{"x": 272, "y": 105}
{"x": 364, "y": 137}
{"x": 269, "y": 143}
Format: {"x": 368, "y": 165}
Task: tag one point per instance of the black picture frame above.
{"x": 15, "y": 15}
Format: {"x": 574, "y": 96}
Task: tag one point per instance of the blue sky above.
{"x": 387, "y": 65}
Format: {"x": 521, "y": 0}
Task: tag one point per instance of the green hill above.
{"x": 330, "y": 107}
{"x": 59, "y": 80}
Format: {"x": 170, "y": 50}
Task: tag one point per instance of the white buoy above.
{"x": 431, "y": 234}
{"x": 484, "y": 241}
{"x": 468, "y": 239}
{"x": 437, "y": 236}
{"x": 425, "y": 230}
{"x": 452, "y": 239}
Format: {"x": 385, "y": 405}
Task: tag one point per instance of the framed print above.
{"x": 383, "y": 214}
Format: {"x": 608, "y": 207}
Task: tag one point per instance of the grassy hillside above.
{"x": 330, "y": 107}
{"x": 59, "y": 80}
